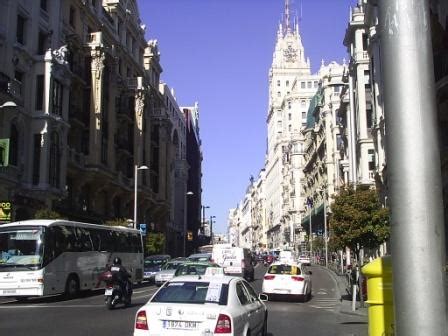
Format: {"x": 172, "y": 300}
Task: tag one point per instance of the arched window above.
{"x": 55, "y": 160}
{"x": 14, "y": 146}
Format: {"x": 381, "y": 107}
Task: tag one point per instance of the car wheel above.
{"x": 72, "y": 287}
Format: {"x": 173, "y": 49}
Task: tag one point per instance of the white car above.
{"x": 167, "y": 271}
{"x": 208, "y": 304}
{"x": 304, "y": 260}
{"x": 287, "y": 280}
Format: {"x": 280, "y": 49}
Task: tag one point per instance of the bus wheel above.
{"x": 71, "y": 287}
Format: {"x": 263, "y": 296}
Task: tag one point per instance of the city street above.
{"x": 88, "y": 315}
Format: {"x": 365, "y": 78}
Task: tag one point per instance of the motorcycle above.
{"x": 113, "y": 293}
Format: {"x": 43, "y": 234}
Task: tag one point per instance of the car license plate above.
{"x": 232, "y": 270}
{"x": 9, "y": 291}
{"x": 282, "y": 291}
{"x": 184, "y": 325}
{"x": 108, "y": 291}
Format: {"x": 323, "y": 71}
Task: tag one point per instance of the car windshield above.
{"x": 156, "y": 262}
{"x": 285, "y": 269}
{"x": 195, "y": 269}
{"x": 192, "y": 292}
{"x": 21, "y": 248}
{"x": 171, "y": 266}
{"x": 199, "y": 257}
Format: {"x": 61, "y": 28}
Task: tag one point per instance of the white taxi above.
{"x": 205, "y": 305}
{"x": 287, "y": 280}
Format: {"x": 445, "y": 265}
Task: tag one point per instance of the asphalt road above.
{"x": 87, "y": 315}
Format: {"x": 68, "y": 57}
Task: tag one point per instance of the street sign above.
{"x": 143, "y": 229}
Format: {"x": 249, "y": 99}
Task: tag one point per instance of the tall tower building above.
{"x": 291, "y": 88}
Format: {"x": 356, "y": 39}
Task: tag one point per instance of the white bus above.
{"x": 46, "y": 257}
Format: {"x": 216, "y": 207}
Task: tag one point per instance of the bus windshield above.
{"x": 20, "y": 248}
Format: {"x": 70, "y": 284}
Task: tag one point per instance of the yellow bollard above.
{"x": 380, "y": 296}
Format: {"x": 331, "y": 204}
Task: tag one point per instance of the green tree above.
{"x": 155, "y": 243}
{"x": 358, "y": 219}
{"x": 47, "y": 214}
{"x": 117, "y": 222}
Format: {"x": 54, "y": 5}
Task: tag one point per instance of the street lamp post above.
{"x": 310, "y": 206}
{"x": 211, "y": 228}
{"x": 203, "y": 216}
{"x": 136, "y": 169}
{"x": 325, "y": 232}
{"x": 324, "y": 199}
{"x": 188, "y": 193}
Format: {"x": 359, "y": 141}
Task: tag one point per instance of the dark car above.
{"x": 269, "y": 259}
{"x": 153, "y": 264}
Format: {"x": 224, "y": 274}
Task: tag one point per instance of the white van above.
{"x": 235, "y": 260}
{"x": 287, "y": 256}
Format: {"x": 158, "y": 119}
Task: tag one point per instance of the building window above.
{"x": 14, "y": 145}
{"x": 316, "y": 84}
{"x": 72, "y": 16}
{"x": 287, "y": 83}
{"x": 43, "y": 5}
{"x": 278, "y": 83}
{"x": 39, "y": 92}
{"x": 303, "y": 115}
{"x": 369, "y": 117}
{"x": 310, "y": 85}
{"x": 278, "y": 94}
{"x": 19, "y": 77}
{"x": 56, "y": 100}
{"x": 364, "y": 41}
{"x": 289, "y": 116}
{"x": 42, "y": 42}
{"x": 302, "y": 85}
{"x": 55, "y": 160}
{"x": 337, "y": 88}
{"x": 372, "y": 161}
{"x": 289, "y": 105}
{"x": 289, "y": 128}
{"x": 303, "y": 102}
{"x": 20, "y": 33}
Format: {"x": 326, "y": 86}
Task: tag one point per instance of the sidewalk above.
{"x": 346, "y": 300}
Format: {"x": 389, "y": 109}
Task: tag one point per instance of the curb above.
{"x": 362, "y": 312}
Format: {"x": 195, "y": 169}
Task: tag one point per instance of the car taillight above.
{"x": 269, "y": 277}
{"x": 141, "y": 321}
{"x": 223, "y": 325}
{"x": 297, "y": 278}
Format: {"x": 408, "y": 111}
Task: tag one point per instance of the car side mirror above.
{"x": 263, "y": 297}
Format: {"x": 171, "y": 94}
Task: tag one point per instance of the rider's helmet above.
{"x": 117, "y": 261}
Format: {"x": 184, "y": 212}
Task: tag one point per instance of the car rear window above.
{"x": 192, "y": 292}
{"x": 284, "y": 269}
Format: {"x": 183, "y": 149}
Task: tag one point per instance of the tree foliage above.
{"x": 117, "y": 222}
{"x": 358, "y": 219}
{"x": 47, "y": 214}
{"x": 154, "y": 243}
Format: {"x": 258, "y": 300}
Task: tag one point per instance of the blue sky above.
{"x": 218, "y": 52}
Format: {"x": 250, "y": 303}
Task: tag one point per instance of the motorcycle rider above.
{"x": 121, "y": 275}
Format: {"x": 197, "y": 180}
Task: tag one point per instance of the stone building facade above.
{"x": 89, "y": 112}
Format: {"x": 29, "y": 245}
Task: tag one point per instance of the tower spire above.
{"x": 287, "y": 23}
